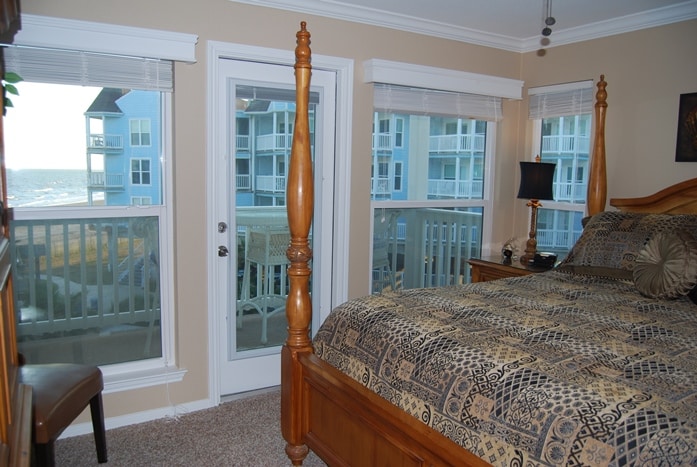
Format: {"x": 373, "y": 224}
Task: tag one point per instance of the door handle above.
{"x": 223, "y": 251}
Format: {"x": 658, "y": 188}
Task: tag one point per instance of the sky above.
{"x": 46, "y": 127}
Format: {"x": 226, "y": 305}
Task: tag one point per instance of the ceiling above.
{"x": 513, "y": 25}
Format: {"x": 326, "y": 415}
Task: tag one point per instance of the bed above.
{"x": 590, "y": 363}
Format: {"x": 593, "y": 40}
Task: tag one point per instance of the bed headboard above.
{"x": 680, "y": 198}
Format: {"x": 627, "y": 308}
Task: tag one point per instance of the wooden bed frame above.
{"x": 323, "y": 409}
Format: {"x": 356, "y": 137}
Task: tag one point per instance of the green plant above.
{"x": 8, "y": 87}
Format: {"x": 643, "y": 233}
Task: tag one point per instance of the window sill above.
{"x": 127, "y": 377}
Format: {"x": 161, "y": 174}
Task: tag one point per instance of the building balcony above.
{"x": 382, "y": 186}
{"x": 565, "y": 144}
{"x": 274, "y": 142}
{"x": 453, "y": 144}
{"x": 87, "y": 283}
{"x": 97, "y": 142}
{"x": 101, "y": 181}
{"x": 270, "y": 183}
{"x": 457, "y": 189}
{"x": 382, "y": 142}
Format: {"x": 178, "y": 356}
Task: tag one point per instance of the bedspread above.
{"x": 545, "y": 369}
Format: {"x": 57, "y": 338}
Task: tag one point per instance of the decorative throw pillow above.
{"x": 611, "y": 241}
{"x": 667, "y": 265}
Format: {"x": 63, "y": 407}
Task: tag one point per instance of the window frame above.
{"x": 49, "y": 32}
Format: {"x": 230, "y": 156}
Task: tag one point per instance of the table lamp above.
{"x": 536, "y": 183}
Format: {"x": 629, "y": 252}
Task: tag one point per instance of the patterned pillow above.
{"x": 612, "y": 240}
{"x": 667, "y": 265}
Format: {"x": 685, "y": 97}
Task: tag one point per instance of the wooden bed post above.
{"x": 597, "y": 182}
{"x": 299, "y": 202}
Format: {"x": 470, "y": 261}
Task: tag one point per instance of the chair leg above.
{"x": 44, "y": 455}
{"x": 97, "y": 411}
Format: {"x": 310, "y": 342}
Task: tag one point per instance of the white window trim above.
{"x": 86, "y": 36}
{"x": 419, "y": 76}
{"x": 443, "y": 79}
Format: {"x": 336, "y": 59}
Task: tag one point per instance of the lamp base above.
{"x": 530, "y": 251}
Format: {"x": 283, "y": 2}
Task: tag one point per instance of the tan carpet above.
{"x": 243, "y": 432}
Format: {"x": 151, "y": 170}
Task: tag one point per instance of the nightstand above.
{"x": 492, "y": 267}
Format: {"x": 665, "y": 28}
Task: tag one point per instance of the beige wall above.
{"x": 222, "y": 20}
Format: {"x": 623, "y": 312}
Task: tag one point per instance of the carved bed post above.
{"x": 597, "y": 183}
{"x": 299, "y": 201}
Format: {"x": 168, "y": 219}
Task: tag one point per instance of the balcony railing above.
{"x": 565, "y": 143}
{"x": 270, "y": 183}
{"x": 274, "y": 142}
{"x": 462, "y": 189}
{"x": 425, "y": 247}
{"x": 456, "y": 143}
{"x": 105, "y": 142}
{"x": 243, "y": 182}
{"x": 85, "y": 275}
{"x": 242, "y": 142}
{"x": 556, "y": 239}
{"x": 382, "y": 142}
{"x": 382, "y": 186}
{"x": 570, "y": 192}
{"x": 106, "y": 181}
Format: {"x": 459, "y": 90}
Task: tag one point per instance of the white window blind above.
{"x": 59, "y": 66}
{"x": 396, "y": 99}
{"x": 561, "y": 100}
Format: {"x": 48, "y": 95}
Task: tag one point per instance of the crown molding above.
{"x": 374, "y": 17}
{"x": 635, "y": 22}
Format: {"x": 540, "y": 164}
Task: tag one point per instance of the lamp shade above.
{"x": 536, "y": 180}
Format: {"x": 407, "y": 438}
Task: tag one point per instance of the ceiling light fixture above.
{"x": 548, "y": 19}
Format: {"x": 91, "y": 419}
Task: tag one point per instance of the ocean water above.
{"x": 39, "y": 188}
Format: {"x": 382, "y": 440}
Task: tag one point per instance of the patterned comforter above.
{"x": 545, "y": 369}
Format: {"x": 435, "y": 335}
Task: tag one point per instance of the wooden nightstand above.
{"x": 492, "y": 267}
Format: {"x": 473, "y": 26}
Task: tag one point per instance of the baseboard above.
{"x": 139, "y": 417}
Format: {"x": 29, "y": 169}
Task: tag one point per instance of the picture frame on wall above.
{"x": 686, "y": 146}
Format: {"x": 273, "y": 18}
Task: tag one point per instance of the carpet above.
{"x": 244, "y": 432}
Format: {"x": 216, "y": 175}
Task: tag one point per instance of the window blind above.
{"x": 391, "y": 98}
{"x": 561, "y": 100}
{"x": 59, "y": 66}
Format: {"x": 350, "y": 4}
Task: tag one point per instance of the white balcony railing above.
{"x": 243, "y": 182}
{"x": 106, "y": 180}
{"x": 242, "y": 142}
{"x": 382, "y": 142}
{"x": 425, "y": 247}
{"x": 462, "y": 189}
{"x": 456, "y": 143}
{"x": 105, "y": 142}
{"x": 270, "y": 183}
{"x": 565, "y": 143}
{"x": 83, "y": 274}
{"x": 382, "y": 186}
{"x": 274, "y": 142}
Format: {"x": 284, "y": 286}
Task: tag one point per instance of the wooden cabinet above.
{"x": 491, "y": 268}
{"x": 15, "y": 398}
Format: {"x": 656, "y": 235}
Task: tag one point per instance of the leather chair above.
{"x": 61, "y": 391}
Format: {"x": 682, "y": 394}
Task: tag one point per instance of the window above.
{"x": 424, "y": 232}
{"x": 140, "y": 132}
{"x": 140, "y": 171}
{"x": 562, "y": 116}
{"x": 399, "y": 132}
{"x": 397, "y": 176}
{"x": 93, "y": 284}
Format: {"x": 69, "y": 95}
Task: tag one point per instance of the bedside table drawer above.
{"x": 489, "y": 269}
